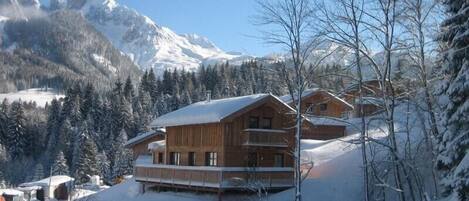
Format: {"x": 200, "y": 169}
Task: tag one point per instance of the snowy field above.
{"x": 38, "y": 95}
{"x": 336, "y": 176}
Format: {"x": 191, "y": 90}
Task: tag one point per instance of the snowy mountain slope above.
{"x": 58, "y": 48}
{"x": 148, "y": 44}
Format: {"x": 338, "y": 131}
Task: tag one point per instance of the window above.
{"x": 323, "y": 107}
{"x": 160, "y": 157}
{"x": 252, "y": 159}
{"x": 278, "y": 160}
{"x": 266, "y": 123}
{"x": 253, "y": 122}
{"x": 175, "y": 158}
{"x": 211, "y": 158}
{"x": 191, "y": 158}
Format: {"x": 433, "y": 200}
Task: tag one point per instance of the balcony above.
{"x": 265, "y": 137}
{"x": 212, "y": 177}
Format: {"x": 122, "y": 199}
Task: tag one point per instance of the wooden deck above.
{"x": 214, "y": 177}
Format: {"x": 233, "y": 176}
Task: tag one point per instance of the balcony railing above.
{"x": 265, "y": 137}
{"x": 214, "y": 177}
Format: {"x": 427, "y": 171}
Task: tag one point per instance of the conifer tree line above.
{"x": 84, "y": 133}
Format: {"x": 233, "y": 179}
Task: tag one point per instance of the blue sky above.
{"x": 227, "y": 23}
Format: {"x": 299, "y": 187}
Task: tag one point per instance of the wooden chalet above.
{"x": 372, "y": 97}
{"x": 218, "y": 145}
{"x": 139, "y": 144}
{"x": 322, "y": 111}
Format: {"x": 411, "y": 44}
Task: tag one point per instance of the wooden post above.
{"x": 220, "y": 179}
{"x": 203, "y": 179}
{"x": 220, "y": 194}
{"x": 161, "y": 175}
{"x": 220, "y": 185}
{"x": 270, "y": 180}
{"x": 172, "y": 177}
{"x": 190, "y": 178}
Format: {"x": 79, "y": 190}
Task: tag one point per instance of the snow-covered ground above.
{"x": 38, "y": 95}
{"x": 336, "y": 176}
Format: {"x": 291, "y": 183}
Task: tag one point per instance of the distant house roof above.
{"x": 306, "y": 93}
{"x": 10, "y": 191}
{"x": 370, "y": 101}
{"x": 366, "y": 82}
{"x": 309, "y": 92}
{"x": 142, "y": 137}
{"x": 50, "y": 181}
{"x": 324, "y": 121}
{"x": 213, "y": 111}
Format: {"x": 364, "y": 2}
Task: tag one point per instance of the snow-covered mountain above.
{"x": 148, "y": 44}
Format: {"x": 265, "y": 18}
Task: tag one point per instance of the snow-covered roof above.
{"x": 142, "y": 136}
{"x": 309, "y": 92}
{"x": 212, "y": 111}
{"x": 365, "y": 82}
{"x": 161, "y": 144}
{"x": 50, "y": 181}
{"x": 10, "y": 191}
{"x": 370, "y": 101}
{"x": 324, "y": 121}
{"x": 29, "y": 188}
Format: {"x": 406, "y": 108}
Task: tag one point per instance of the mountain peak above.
{"x": 200, "y": 41}
{"x": 146, "y": 43}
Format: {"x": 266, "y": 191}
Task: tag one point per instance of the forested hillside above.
{"x": 56, "y": 50}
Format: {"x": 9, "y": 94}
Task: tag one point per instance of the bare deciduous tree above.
{"x": 343, "y": 24}
{"x": 289, "y": 24}
{"x": 419, "y": 20}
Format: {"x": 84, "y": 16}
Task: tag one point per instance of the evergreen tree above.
{"x": 88, "y": 101}
{"x": 167, "y": 87}
{"x": 75, "y": 115}
{"x": 104, "y": 166}
{"x": 86, "y": 165}
{"x": 129, "y": 89}
{"x": 16, "y": 140}
{"x": 4, "y": 122}
{"x": 152, "y": 87}
{"x": 53, "y": 126}
{"x": 143, "y": 111}
{"x": 117, "y": 90}
{"x": 60, "y": 167}
{"x": 453, "y": 154}
{"x": 2, "y": 181}
{"x": 122, "y": 157}
{"x": 38, "y": 172}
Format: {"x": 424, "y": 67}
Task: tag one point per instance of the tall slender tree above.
{"x": 16, "y": 140}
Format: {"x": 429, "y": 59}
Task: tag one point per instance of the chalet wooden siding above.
{"x": 199, "y": 139}
{"x": 322, "y": 132}
{"x": 227, "y": 138}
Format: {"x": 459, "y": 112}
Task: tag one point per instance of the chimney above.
{"x": 209, "y": 95}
